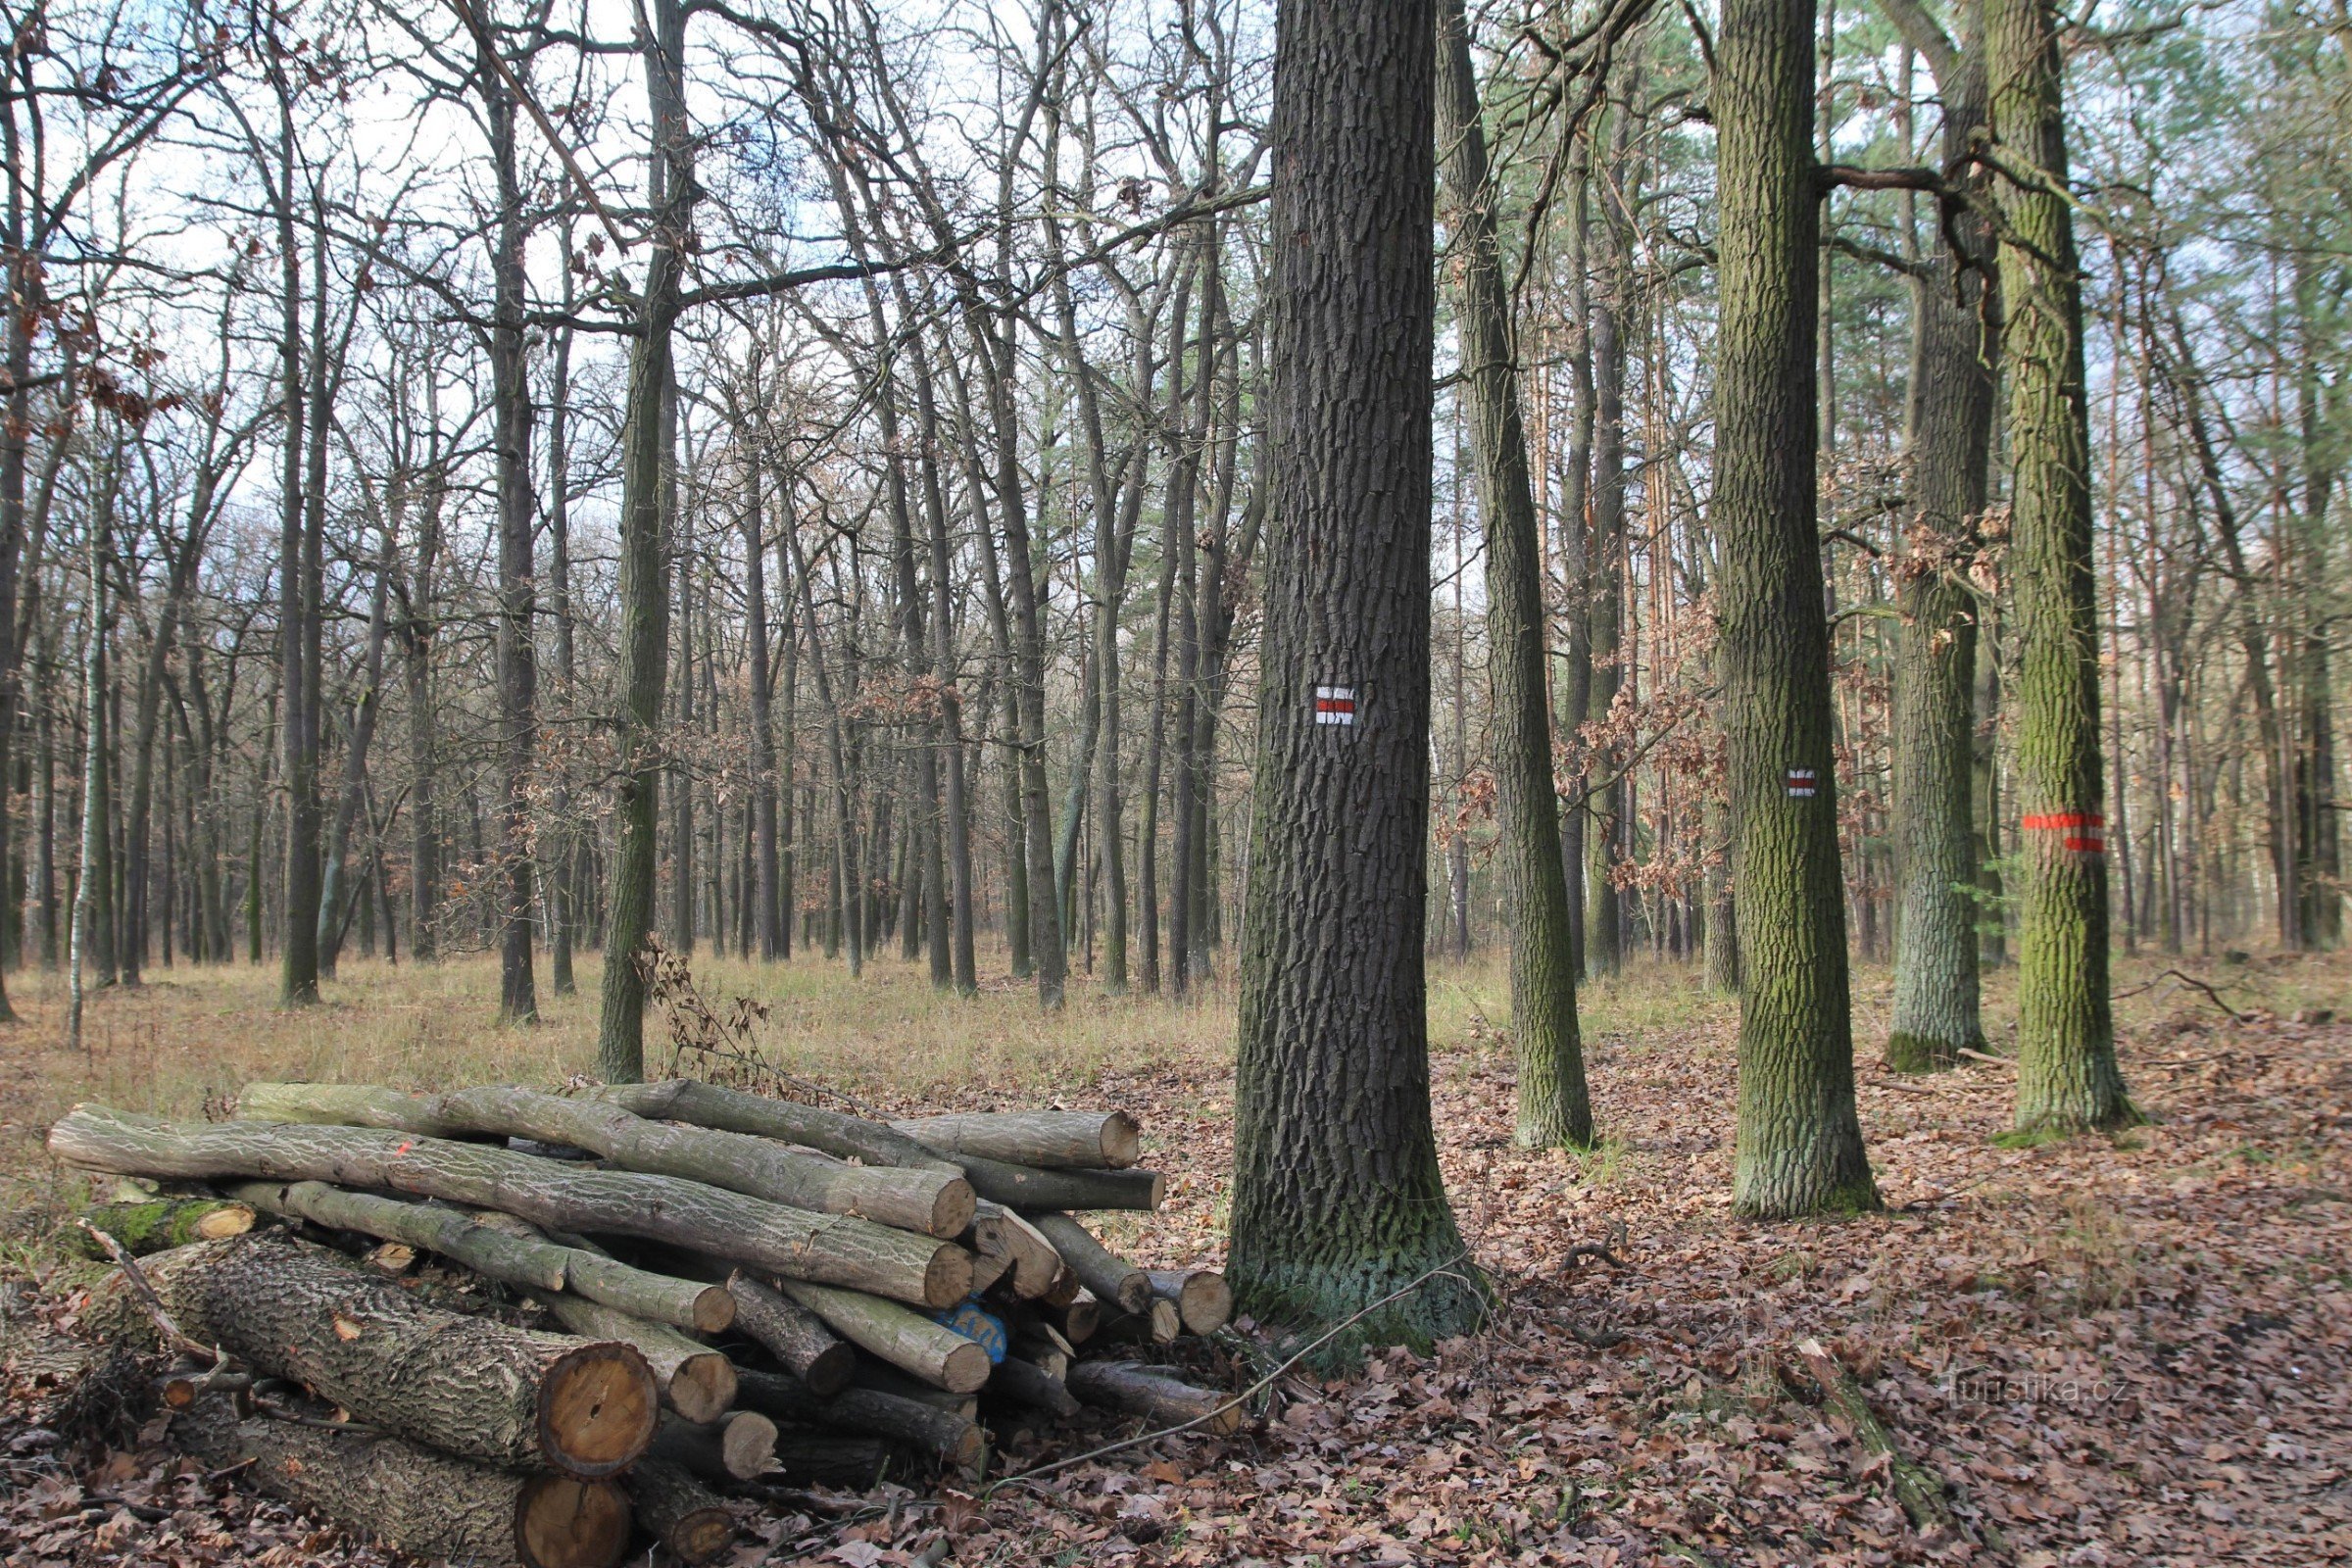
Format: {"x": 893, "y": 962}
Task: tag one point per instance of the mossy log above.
{"x": 952, "y": 1435}
{"x": 1152, "y": 1393}
{"x": 155, "y": 1224}
{"x": 1203, "y": 1301}
{"x": 835, "y": 1250}
{"x": 411, "y": 1499}
{"x": 695, "y": 1380}
{"x": 1919, "y": 1489}
{"x": 678, "y": 1511}
{"x": 908, "y": 1340}
{"x": 737, "y": 1449}
{"x": 1074, "y": 1140}
{"x": 468, "y": 1385}
{"x": 795, "y": 1335}
{"x": 1110, "y": 1277}
{"x": 932, "y": 1203}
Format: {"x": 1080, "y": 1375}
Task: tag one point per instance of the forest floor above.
{"x": 2119, "y": 1351}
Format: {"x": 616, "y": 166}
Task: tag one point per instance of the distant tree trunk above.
{"x": 1604, "y": 602}
{"x": 681, "y": 782}
{"x": 956, "y": 804}
{"x": 331, "y": 897}
{"x": 1799, "y": 1141}
{"x": 1337, "y": 1198}
{"x": 517, "y": 578}
{"x": 2067, "y": 1074}
{"x": 299, "y": 952}
{"x": 1954, "y": 342}
{"x": 1576, "y": 487}
{"x": 2319, "y": 838}
{"x": 568, "y": 843}
{"x": 766, "y": 916}
{"x": 1155, "y": 744}
{"x": 644, "y": 534}
{"x": 1553, "y": 1107}
{"x": 89, "y": 919}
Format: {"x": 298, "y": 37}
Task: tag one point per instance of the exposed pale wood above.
{"x": 412, "y": 1499}
{"x": 1076, "y": 1321}
{"x": 695, "y": 1380}
{"x": 830, "y": 1249}
{"x": 1110, "y": 1277}
{"x": 736, "y": 1448}
{"x": 1078, "y": 1139}
{"x": 933, "y": 1202}
{"x": 908, "y": 1340}
{"x": 951, "y": 1436}
{"x": 1158, "y": 1323}
{"x": 1000, "y": 1232}
{"x": 1143, "y": 1390}
{"x": 1203, "y": 1298}
{"x": 468, "y": 1385}
{"x": 795, "y": 1335}
{"x": 678, "y": 1511}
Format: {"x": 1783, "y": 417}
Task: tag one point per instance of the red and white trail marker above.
{"x": 1804, "y": 783}
{"x": 1335, "y": 705}
{"x": 2084, "y": 832}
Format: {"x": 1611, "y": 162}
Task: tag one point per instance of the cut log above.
{"x": 1029, "y": 1187}
{"x": 1077, "y": 1321}
{"x": 907, "y": 1340}
{"x": 1065, "y": 1288}
{"x": 468, "y": 1385}
{"x": 1158, "y": 1323}
{"x": 732, "y": 1111}
{"x": 835, "y": 1250}
{"x": 1203, "y": 1301}
{"x": 795, "y": 1335}
{"x": 987, "y": 1269}
{"x": 1026, "y": 1382}
{"x": 737, "y": 1449}
{"x": 154, "y": 1224}
{"x": 1111, "y": 1277}
{"x": 1077, "y": 1140}
{"x": 930, "y": 1201}
{"x": 1143, "y": 1390}
{"x": 415, "y": 1500}
{"x": 953, "y": 1438}
{"x": 695, "y": 1380}
{"x": 1047, "y": 1354}
{"x": 882, "y": 1377}
{"x": 999, "y": 1231}
{"x": 510, "y": 1250}
{"x": 679, "y": 1511}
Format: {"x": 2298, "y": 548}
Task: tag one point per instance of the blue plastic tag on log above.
{"x": 982, "y": 1328}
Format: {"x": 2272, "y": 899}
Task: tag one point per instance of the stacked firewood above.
{"x": 697, "y": 1291}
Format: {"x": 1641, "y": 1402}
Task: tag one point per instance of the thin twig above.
{"x": 1310, "y": 1347}
{"x": 153, "y": 1303}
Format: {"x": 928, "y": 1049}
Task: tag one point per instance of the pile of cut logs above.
{"x": 644, "y": 1297}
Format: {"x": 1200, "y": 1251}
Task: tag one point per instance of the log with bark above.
{"x": 695, "y": 1381}
{"x": 795, "y": 1335}
{"x": 953, "y": 1438}
{"x": 930, "y": 1201}
{"x": 1075, "y": 1139}
{"x": 1148, "y": 1391}
{"x": 678, "y": 1511}
{"x": 737, "y": 1449}
{"x": 154, "y": 1224}
{"x": 908, "y": 1340}
{"x": 1027, "y": 1383}
{"x": 468, "y": 1385}
{"x": 527, "y": 1260}
{"x": 832, "y": 1458}
{"x": 999, "y": 1231}
{"x": 834, "y": 1249}
{"x": 1158, "y": 1323}
{"x": 1110, "y": 1277}
{"x": 1030, "y": 1188}
{"x": 1203, "y": 1301}
{"x": 409, "y": 1497}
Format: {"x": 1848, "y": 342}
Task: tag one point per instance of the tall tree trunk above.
{"x": 1954, "y": 341}
{"x": 1604, "y": 577}
{"x": 517, "y": 578}
{"x": 1553, "y": 1105}
{"x": 568, "y": 843}
{"x": 354, "y": 794}
{"x": 1799, "y": 1141}
{"x": 298, "y": 982}
{"x": 643, "y": 535}
{"x": 1337, "y": 1198}
{"x": 954, "y": 806}
{"x": 2318, "y": 838}
{"x": 2067, "y": 1074}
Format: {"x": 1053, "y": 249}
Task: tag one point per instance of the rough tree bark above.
{"x": 1338, "y": 1202}
{"x": 1553, "y": 1107}
{"x": 1799, "y": 1141}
